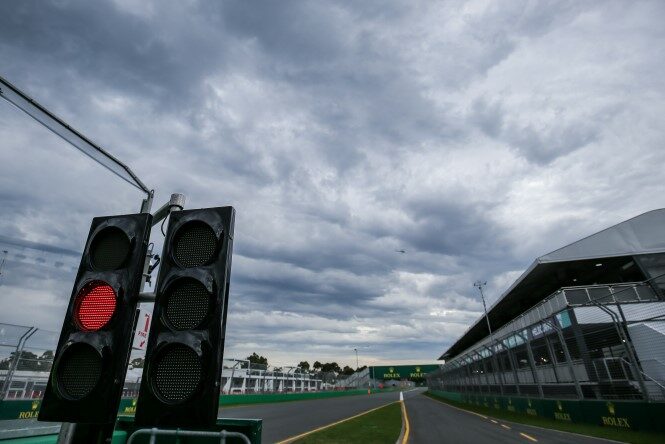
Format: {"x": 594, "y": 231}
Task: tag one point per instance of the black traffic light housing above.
{"x": 90, "y": 363}
{"x": 182, "y": 372}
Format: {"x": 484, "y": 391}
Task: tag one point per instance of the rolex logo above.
{"x": 610, "y": 408}
{"x": 35, "y": 405}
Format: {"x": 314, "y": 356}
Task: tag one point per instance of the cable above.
{"x": 162, "y": 227}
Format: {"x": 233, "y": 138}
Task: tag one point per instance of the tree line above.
{"x": 317, "y": 366}
{"x": 31, "y": 361}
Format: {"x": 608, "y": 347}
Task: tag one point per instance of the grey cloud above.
{"x": 308, "y": 117}
{"x": 539, "y": 143}
{"x": 123, "y": 51}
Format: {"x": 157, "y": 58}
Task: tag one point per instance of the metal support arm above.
{"x": 60, "y": 128}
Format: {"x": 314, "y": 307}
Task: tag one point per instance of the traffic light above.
{"x": 90, "y": 363}
{"x": 182, "y": 371}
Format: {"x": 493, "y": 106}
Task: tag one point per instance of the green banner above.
{"x": 26, "y": 409}
{"x": 628, "y": 415}
{"x": 412, "y": 372}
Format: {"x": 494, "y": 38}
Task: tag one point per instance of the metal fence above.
{"x": 26, "y": 356}
{"x": 591, "y": 342}
{"x": 356, "y": 380}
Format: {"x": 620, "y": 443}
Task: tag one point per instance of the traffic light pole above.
{"x": 175, "y": 203}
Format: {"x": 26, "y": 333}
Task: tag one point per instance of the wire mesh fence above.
{"x": 591, "y": 342}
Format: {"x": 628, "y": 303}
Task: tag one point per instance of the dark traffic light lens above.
{"x": 177, "y": 373}
{"x": 94, "y": 306}
{"x": 187, "y": 304}
{"x": 79, "y": 369}
{"x": 194, "y": 244}
{"x": 109, "y": 249}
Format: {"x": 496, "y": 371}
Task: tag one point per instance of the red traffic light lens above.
{"x": 95, "y": 305}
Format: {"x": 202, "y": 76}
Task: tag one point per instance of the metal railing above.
{"x": 243, "y": 377}
{"x": 154, "y": 433}
{"x": 26, "y": 356}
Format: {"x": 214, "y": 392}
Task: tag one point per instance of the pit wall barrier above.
{"x": 626, "y": 415}
{"x": 12, "y": 410}
{"x": 27, "y": 409}
{"x": 251, "y": 428}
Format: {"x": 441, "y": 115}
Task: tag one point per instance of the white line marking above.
{"x": 529, "y": 437}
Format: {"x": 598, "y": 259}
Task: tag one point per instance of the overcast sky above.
{"x": 475, "y": 136}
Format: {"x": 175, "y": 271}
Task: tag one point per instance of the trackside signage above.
{"x": 627, "y": 415}
{"x": 401, "y": 371}
{"x": 29, "y": 409}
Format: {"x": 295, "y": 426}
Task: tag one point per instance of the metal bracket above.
{"x": 146, "y": 205}
{"x": 175, "y": 203}
{"x": 147, "y": 297}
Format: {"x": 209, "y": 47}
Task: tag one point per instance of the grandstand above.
{"x": 586, "y": 321}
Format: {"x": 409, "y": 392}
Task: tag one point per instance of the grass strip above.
{"x": 582, "y": 429}
{"x": 377, "y": 427}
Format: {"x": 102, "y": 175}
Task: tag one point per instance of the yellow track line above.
{"x": 302, "y": 435}
{"x": 529, "y": 437}
{"x": 405, "y": 438}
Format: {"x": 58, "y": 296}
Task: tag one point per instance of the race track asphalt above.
{"x": 430, "y": 421}
{"x": 287, "y": 419}
{"x": 434, "y": 422}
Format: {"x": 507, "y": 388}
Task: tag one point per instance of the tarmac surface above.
{"x": 284, "y": 420}
{"x": 432, "y": 421}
